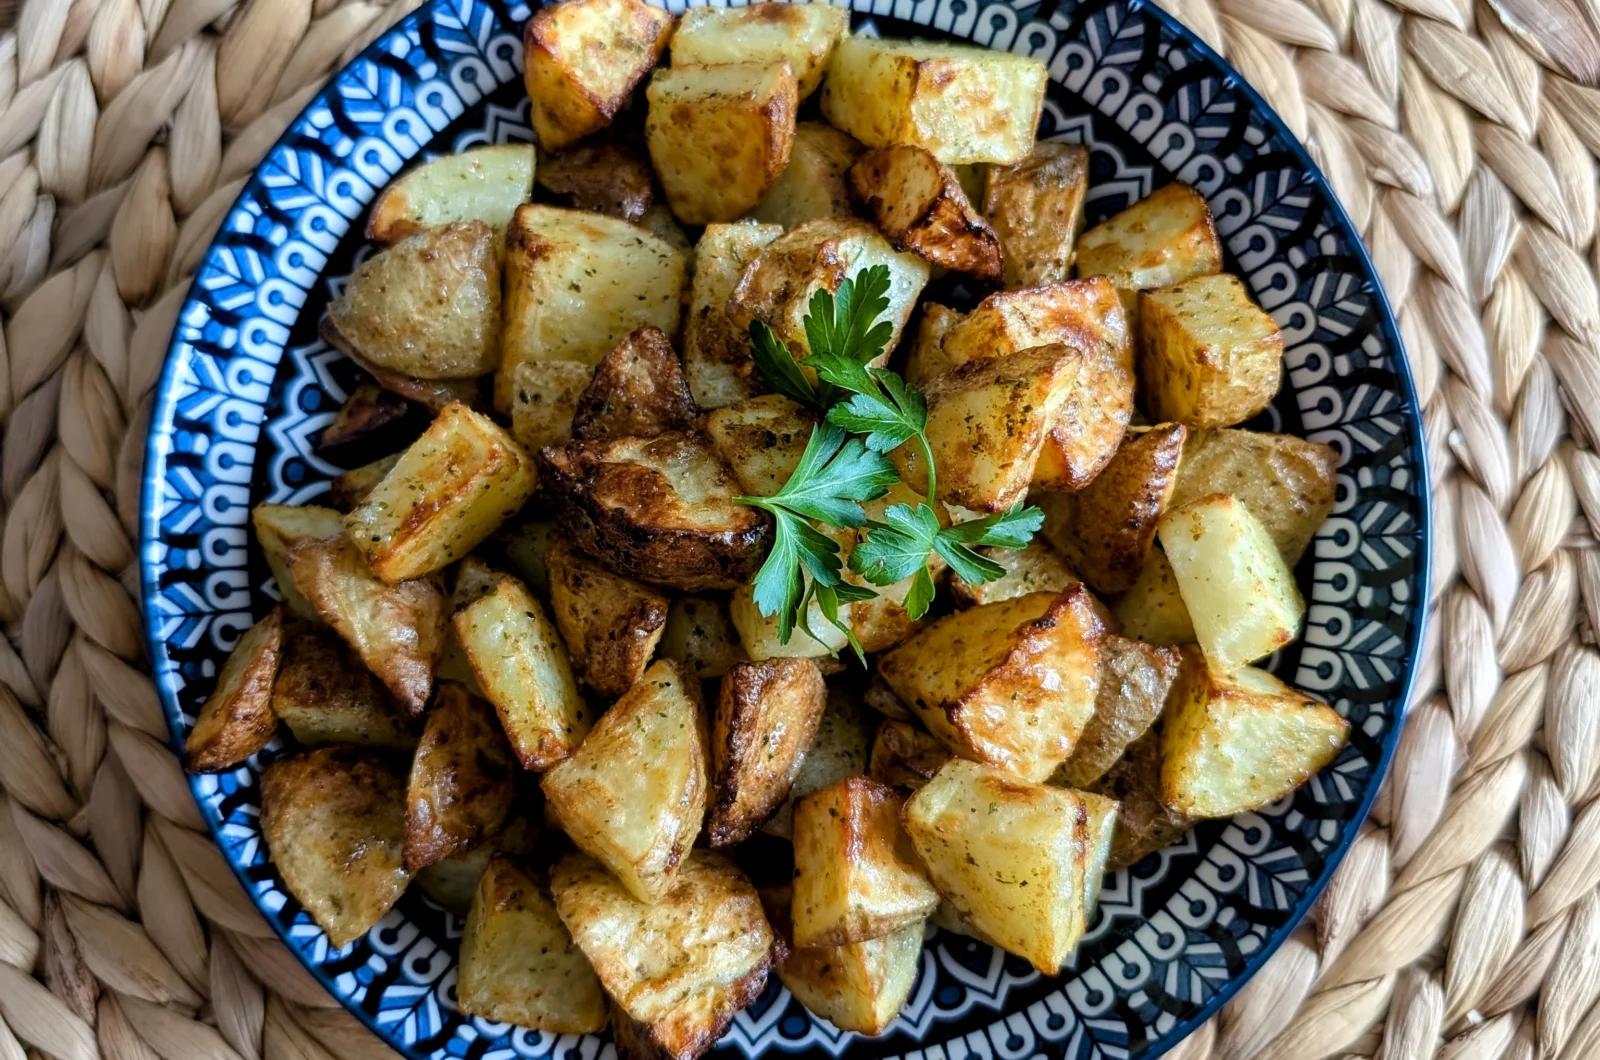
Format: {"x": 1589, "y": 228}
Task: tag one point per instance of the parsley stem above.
{"x": 933, "y": 474}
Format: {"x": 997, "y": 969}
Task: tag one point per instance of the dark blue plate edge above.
{"x": 149, "y": 524}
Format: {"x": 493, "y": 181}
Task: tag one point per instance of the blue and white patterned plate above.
{"x": 247, "y": 386}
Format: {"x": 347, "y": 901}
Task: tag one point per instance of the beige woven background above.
{"x": 1465, "y": 923}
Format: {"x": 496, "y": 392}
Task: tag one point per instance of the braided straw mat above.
{"x": 1465, "y": 921}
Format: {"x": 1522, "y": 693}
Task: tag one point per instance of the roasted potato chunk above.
{"x": 368, "y": 415}
{"x": 1135, "y": 678}
{"x": 325, "y": 696}
{"x": 1010, "y": 684}
{"x": 521, "y": 664}
{"x": 657, "y": 509}
{"x": 634, "y": 794}
{"x": 904, "y": 756}
{"x": 349, "y": 488}
{"x": 1162, "y": 239}
{"x": 855, "y": 877}
{"x": 453, "y": 882}
{"x": 767, "y": 715}
{"x": 612, "y": 177}
{"x": 584, "y": 58}
{"x": 678, "y": 969}
{"x": 611, "y": 624}
{"x": 1237, "y": 741}
{"x": 427, "y": 307}
{"x": 761, "y": 440}
{"x": 716, "y": 351}
{"x": 236, "y": 720}
{"x": 838, "y": 750}
{"x": 1153, "y": 610}
{"x": 577, "y": 283}
{"x": 397, "y": 630}
{"x": 544, "y": 399}
{"x": 720, "y": 135}
{"x": 1239, "y": 593}
{"x": 926, "y": 359}
{"x": 1036, "y": 568}
{"x": 279, "y": 527}
{"x": 1101, "y": 821}
{"x": 431, "y": 394}
{"x": 461, "y": 785}
{"x": 484, "y": 184}
{"x": 963, "y": 103}
{"x": 1119, "y": 510}
{"x": 761, "y": 634}
{"x": 814, "y": 183}
{"x": 1286, "y": 482}
{"x": 519, "y": 965}
{"x": 917, "y": 202}
{"x": 451, "y": 489}
{"x": 1036, "y": 207}
{"x": 638, "y": 391}
{"x": 334, "y": 820}
{"x": 1208, "y": 355}
{"x": 803, "y": 35}
{"x": 1144, "y": 825}
{"x": 525, "y": 546}
{"x": 700, "y": 637}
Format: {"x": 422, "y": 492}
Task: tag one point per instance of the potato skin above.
{"x": 483, "y": 184}
{"x": 611, "y": 624}
{"x": 279, "y": 527}
{"x": 1144, "y": 825}
{"x": 918, "y": 203}
{"x": 324, "y": 695}
{"x": 1036, "y": 208}
{"x": 461, "y": 786}
{"x": 1209, "y": 356}
{"x": 766, "y": 718}
{"x": 638, "y": 391}
{"x": 904, "y": 756}
{"x": 365, "y": 417}
{"x": 1288, "y": 483}
{"x": 609, "y": 176}
{"x": 236, "y": 720}
{"x": 1135, "y": 679}
{"x": 583, "y": 59}
{"x": 1118, "y": 511}
{"x": 716, "y": 351}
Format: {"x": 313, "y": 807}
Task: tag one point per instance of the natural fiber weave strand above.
{"x": 1465, "y": 922}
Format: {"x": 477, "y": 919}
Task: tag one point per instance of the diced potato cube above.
{"x": 760, "y": 439}
{"x": 638, "y": 391}
{"x": 700, "y": 636}
{"x": 484, "y": 184}
{"x": 926, "y": 359}
{"x": 1209, "y": 356}
{"x": 1163, "y": 239}
{"x": 1144, "y": 823}
{"x": 1036, "y": 568}
{"x": 1100, "y": 818}
{"x": 606, "y": 175}
{"x": 279, "y": 527}
{"x": 917, "y": 202}
{"x": 767, "y": 715}
{"x": 760, "y": 633}
{"x": 236, "y": 720}
{"x": 1119, "y": 510}
{"x": 611, "y": 624}
{"x": 905, "y": 756}
{"x": 813, "y": 185}
{"x": 453, "y": 882}
{"x": 1036, "y": 207}
{"x": 860, "y": 987}
{"x": 324, "y": 695}
{"x": 544, "y": 398}
{"x": 583, "y": 59}
{"x": 1152, "y": 610}
{"x": 347, "y": 490}
{"x": 716, "y": 351}
{"x": 803, "y": 35}
{"x": 1286, "y": 482}
{"x": 461, "y": 785}
{"x": 838, "y": 750}
{"x": 1135, "y": 678}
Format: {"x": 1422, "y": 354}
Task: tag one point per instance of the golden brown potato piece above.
{"x": 278, "y": 528}
{"x": 767, "y": 715}
{"x": 1144, "y": 825}
{"x": 838, "y": 750}
{"x": 1288, "y": 483}
{"x": 484, "y": 184}
{"x": 461, "y": 785}
{"x": 634, "y": 794}
{"x": 1162, "y": 239}
{"x": 451, "y": 489}
{"x": 427, "y": 307}
{"x": 397, "y": 630}
{"x": 334, "y": 820}
{"x": 700, "y": 637}
{"x": 760, "y": 439}
{"x": 236, "y": 720}
{"x": 803, "y": 35}
{"x": 584, "y": 58}
{"x": 716, "y": 351}
{"x": 905, "y": 756}
{"x": 679, "y": 969}
{"x": 855, "y": 877}
{"x": 349, "y": 488}
{"x": 1208, "y": 355}
{"x": 1153, "y": 610}
{"x": 1010, "y": 684}
{"x": 1239, "y": 741}
{"x": 453, "y": 882}
{"x": 544, "y": 398}
{"x": 1119, "y": 510}
{"x": 1036, "y": 207}
{"x": 963, "y": 103}
{"x": 1037, "y": 568}
{"x": 917, "y": 202}
{"x": 814, "y": 183}
{"x": 720, "y": 135}
{"x": 367, "y": 412}
{"x": 638, "y": 391}
{"x": 609, "y": 176}
{"x": 324, "y": 695}
{"x": 926, "y": 359}
{"x": 611, "y": 624}
{"x": 519, "y": 965}
{"x": 657, "y": 509}
{"x": 1135, "y": 678}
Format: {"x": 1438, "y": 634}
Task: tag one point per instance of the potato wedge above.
{"x": 963, "y": 103}
{"x": 1119, "y": 510}
{"x": 482, "y": 184}
{"x": 700, "y": 636}
{"x": 324, "y": 695}
{"x": 1208, "y": 355}
{"x": 370, "y": 415}
{"x": 1152, "y": 610}
{"x": 461, "y": 786}
{"x": 611, "y": 624}
{"x": 1135, "y": 678}
{"x": 634, "y": 794}
{"x": 767, "y": 715}
{"x": 427, "y": 307}
{"x": 1144, "y": 824}
{"x": 638, "y": 391}
{"x": 334, "y": 821}
{"x": 519, "y": 965}
{"x": 609, "y": 176}
{"x": 451, "y": 489}
{"x": 397, "y": 630}
{"x": 720, "y": 135}
{"x": 584, "y": 58}
{"x": 521, "y": 664}
{"x": 679, "y": 969}
{"x": 576, "y": 284}
{"x": 838, "y": 750}
{"x": 803, "y": 35}
{"x": 760, "y": 439}
{"x": 280, "y": 527}
{"x": 716, "y": 351}
{"x": 1286, "y": 482}
{"x": 349, "y": 488}
{"x": 1239, "y": 593}
{"x": 926, "y": 359}
{"x": 814, "y": 184}
{"x": 1238, "y": 741}
{"x": 236, "y": 719}
{"x": 1037, "y": 568}
{"x": 1010, "y": 684}
{"x": 657, "y": 509}
{"x": 905, "y": 756}
{"x": 1036, "y": 207}
{"x": 544, "y": 399}
{"x": 917, "y": 202}
{"x": 761, "y": 635}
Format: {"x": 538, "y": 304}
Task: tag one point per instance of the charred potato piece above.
{"x": 461, "y": 785}
{"x": 720, "y": 135}
{"x": 279, "y": 527}
{"x": 349, "y": 488}
{"x": 334, "y": 821}
{"x": 962, "y": 103}
{"x": 906, "y": 757}
{"x": 657, "y": 509}
{"x": 1163, "y": 239}
{"x": 1010, "y": 684}
{"x": 1036, "y": 568}
{"x": 325, "y": 696}
{"x": 700, "y": 636}
{"x": 761, "y": 440}
{"x": 814, "y": 184}
{"x": 634, "y": 794}
{"x": 1144, "y": 824}
{"x": 451, "y": 489}
{"x": 611, "y": 624}
{"x": 518, "y": 963}
{"x": 638, "y": 391}
{"x": 838, "y": 750}
{"x": 544, "y": 399}
{"x": 767, "y": 715}
{"x": 1209, "y": 356}
{"x": 369, "y": 410}
{"x": 1153, "y": 610}
{"x": 1119, "y": 510}
{"x": 236, "y": 720}
{"x": 1134, "y": 681}
{"x": 926, "y": 360}
{"x": 427, "y": 307}
{"x": 716, "y": 352}
{"x": 803, "y": 35}
{"x": 584, "y": 58}
{"x": 917, "y": 202}
{"x": 1036, "y": 207}
{"x": 484, "y": 184}
{"x": 611, "y": 177}
{"x": 1286, "y": 482}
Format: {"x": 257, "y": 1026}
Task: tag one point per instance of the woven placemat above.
{"x": 1465, "y": 922}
